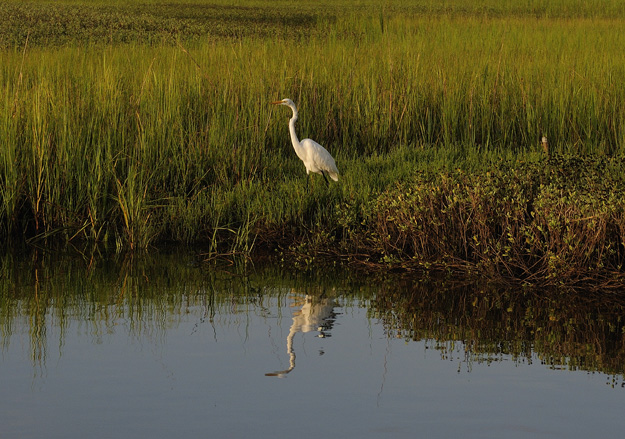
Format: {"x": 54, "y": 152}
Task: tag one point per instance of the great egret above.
{"x": 315, "y": 157}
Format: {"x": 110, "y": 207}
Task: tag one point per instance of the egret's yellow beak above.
{"x": 276, "y": 103}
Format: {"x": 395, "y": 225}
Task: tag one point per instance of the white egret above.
{"x": 315, "y": 157}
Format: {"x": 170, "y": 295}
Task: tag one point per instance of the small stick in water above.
{"x": 545, "y": 145}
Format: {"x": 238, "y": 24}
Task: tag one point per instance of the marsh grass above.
{"x": 154, "y": 134}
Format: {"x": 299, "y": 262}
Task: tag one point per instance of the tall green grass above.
{"x": 161, "y": 133}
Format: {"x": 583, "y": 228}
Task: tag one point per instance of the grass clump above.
{"x": 560, "y": 221}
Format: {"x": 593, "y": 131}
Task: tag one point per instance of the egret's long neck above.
{"x": 294, "y": 140}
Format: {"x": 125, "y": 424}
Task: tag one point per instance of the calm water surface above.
{"x": 158, "y": 346}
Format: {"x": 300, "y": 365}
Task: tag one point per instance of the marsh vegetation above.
{"x": 132, "y": 124}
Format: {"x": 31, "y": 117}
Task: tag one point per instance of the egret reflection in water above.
{"x": 313, "y": 313}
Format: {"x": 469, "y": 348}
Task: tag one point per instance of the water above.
{"x": 158, "y": 346}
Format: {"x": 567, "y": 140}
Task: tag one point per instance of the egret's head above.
{"x": 284, "y": 102}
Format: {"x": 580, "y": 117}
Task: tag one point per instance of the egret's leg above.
{"x": 325, "y": 178}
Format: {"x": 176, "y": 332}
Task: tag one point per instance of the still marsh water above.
{"x": 159, "y": 345}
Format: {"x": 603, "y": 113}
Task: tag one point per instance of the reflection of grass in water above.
{"x": 51, "y": 294}
{"x": 575, "y": 331}
{"x": 150, "y": 294}
{"x": 44, "y": 295}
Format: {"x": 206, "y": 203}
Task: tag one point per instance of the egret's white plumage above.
{"x": 315, "y": 157}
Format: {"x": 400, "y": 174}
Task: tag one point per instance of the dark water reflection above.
{"x": 158, "y": 345}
